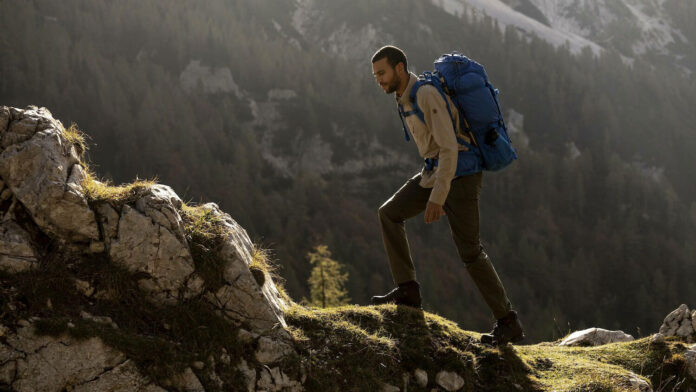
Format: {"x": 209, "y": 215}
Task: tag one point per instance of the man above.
{"x": 438, "y": 192}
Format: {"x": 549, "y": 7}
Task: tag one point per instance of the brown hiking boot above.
{"x": 407, "y": 293}
{"x": 506, "y": 329}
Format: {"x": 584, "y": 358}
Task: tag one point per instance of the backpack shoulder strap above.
{"x": 433, "y": 80}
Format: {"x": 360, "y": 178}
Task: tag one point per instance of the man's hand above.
{"x": 433, "y": 212}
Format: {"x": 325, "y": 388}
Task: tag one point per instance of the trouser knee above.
{"x": 385, "y": 212}
{"x": 472, "y": 254}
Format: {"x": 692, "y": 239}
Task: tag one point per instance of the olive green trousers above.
{"x": 462, "y": 209}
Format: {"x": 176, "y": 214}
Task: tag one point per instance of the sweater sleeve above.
{"x": 439, "y": 123}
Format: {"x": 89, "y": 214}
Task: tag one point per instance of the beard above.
{"x": 393, "y": 85}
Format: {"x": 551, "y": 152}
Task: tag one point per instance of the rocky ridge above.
{"x": 128, "y": 288}
{"x": 52, "y": 224}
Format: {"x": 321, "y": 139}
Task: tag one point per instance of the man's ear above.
{"x": 400, "y": 65}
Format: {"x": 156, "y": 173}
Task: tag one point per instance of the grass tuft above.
{"x": 103, "y": 191}
{"x": 76, "y": 137}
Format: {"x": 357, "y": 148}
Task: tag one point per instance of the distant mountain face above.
{"x": 634, "y": 28}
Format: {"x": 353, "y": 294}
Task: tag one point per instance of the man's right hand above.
{"x": 433, "y": 212}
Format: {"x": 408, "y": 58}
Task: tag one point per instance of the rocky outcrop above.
{"x": 680, "y": 322}
{"x": 42, "y": 170}
{"x": 145, "y": 293}
{"x": 43, "y": 202}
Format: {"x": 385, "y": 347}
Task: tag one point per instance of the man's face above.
{"x": 385, "y": 75}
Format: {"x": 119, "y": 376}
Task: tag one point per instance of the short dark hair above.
{"x": 393, "y": 55}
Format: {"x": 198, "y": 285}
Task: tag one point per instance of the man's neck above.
{"x": 402, "y": 86}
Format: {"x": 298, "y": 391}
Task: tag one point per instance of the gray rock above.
{"x": 123, "y": 378}
{"x": 39, "y": 171}
{"x": 678, "y": 322}
{"x": 246, "y": 337}
{"x": 639, "y": 384}
{"x": 657, "y": 338}
{"x": 685, "y": 329}
{"x": 54, "y": 364}
{"x": 276, "y": 380}
{"x": 187, "y": 382}
{"x": 161, "y": 204}
{"x": 249, "y": 374}
{"x": 242, "y": 298}
{"x": 595, "y": 337}
{"x": 690, "y": 356}
{"x": 16, "y": 251}
{"x": 389, "y": 388}
{"x": 21, "y": 128}
{"x": 675, "y": 317}
{"x": 108, "y": 219}
{"x": 421, "y": 377}
{"x": 271, "y": 350}
{"x": 144, "y": 246}
{"x": 449, "y": 381}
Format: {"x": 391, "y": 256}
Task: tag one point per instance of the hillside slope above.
{"x": 163, "y": 295}
{"x": 269, "y": 108}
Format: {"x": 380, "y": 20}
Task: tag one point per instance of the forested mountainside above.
{"x": 270, "y": 109}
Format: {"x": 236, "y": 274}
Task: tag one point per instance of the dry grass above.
{"x": 102, "y": 190}
{"x": 75, "y": 136}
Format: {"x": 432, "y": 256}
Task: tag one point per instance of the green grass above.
{"x": 354, "y": 348}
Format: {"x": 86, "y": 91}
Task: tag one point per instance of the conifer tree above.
{"x": 327, "y": 279}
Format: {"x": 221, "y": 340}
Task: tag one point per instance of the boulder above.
{"x": 42, "y": 170}
{"x": 595, "y": 337}
{"x": 145, "y": 246}
{"x": 638, "y": 384}
{"x": 421, "y": 377}
{"x": 449, "y": 381}
{"x": 241, "y": 298}
{"x": 679, "y": 322}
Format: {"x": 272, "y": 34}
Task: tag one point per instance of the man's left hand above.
{"x": 433, "y": 212}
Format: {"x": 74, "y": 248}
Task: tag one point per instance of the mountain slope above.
{"x": 634, "y": 28}
{"x": 270, "y": 108}
{"x": 171, "y": 295}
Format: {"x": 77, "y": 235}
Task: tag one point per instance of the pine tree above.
{"x": 327, "y": 280}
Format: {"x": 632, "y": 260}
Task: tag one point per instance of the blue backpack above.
{"x": 466, "y": 82}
